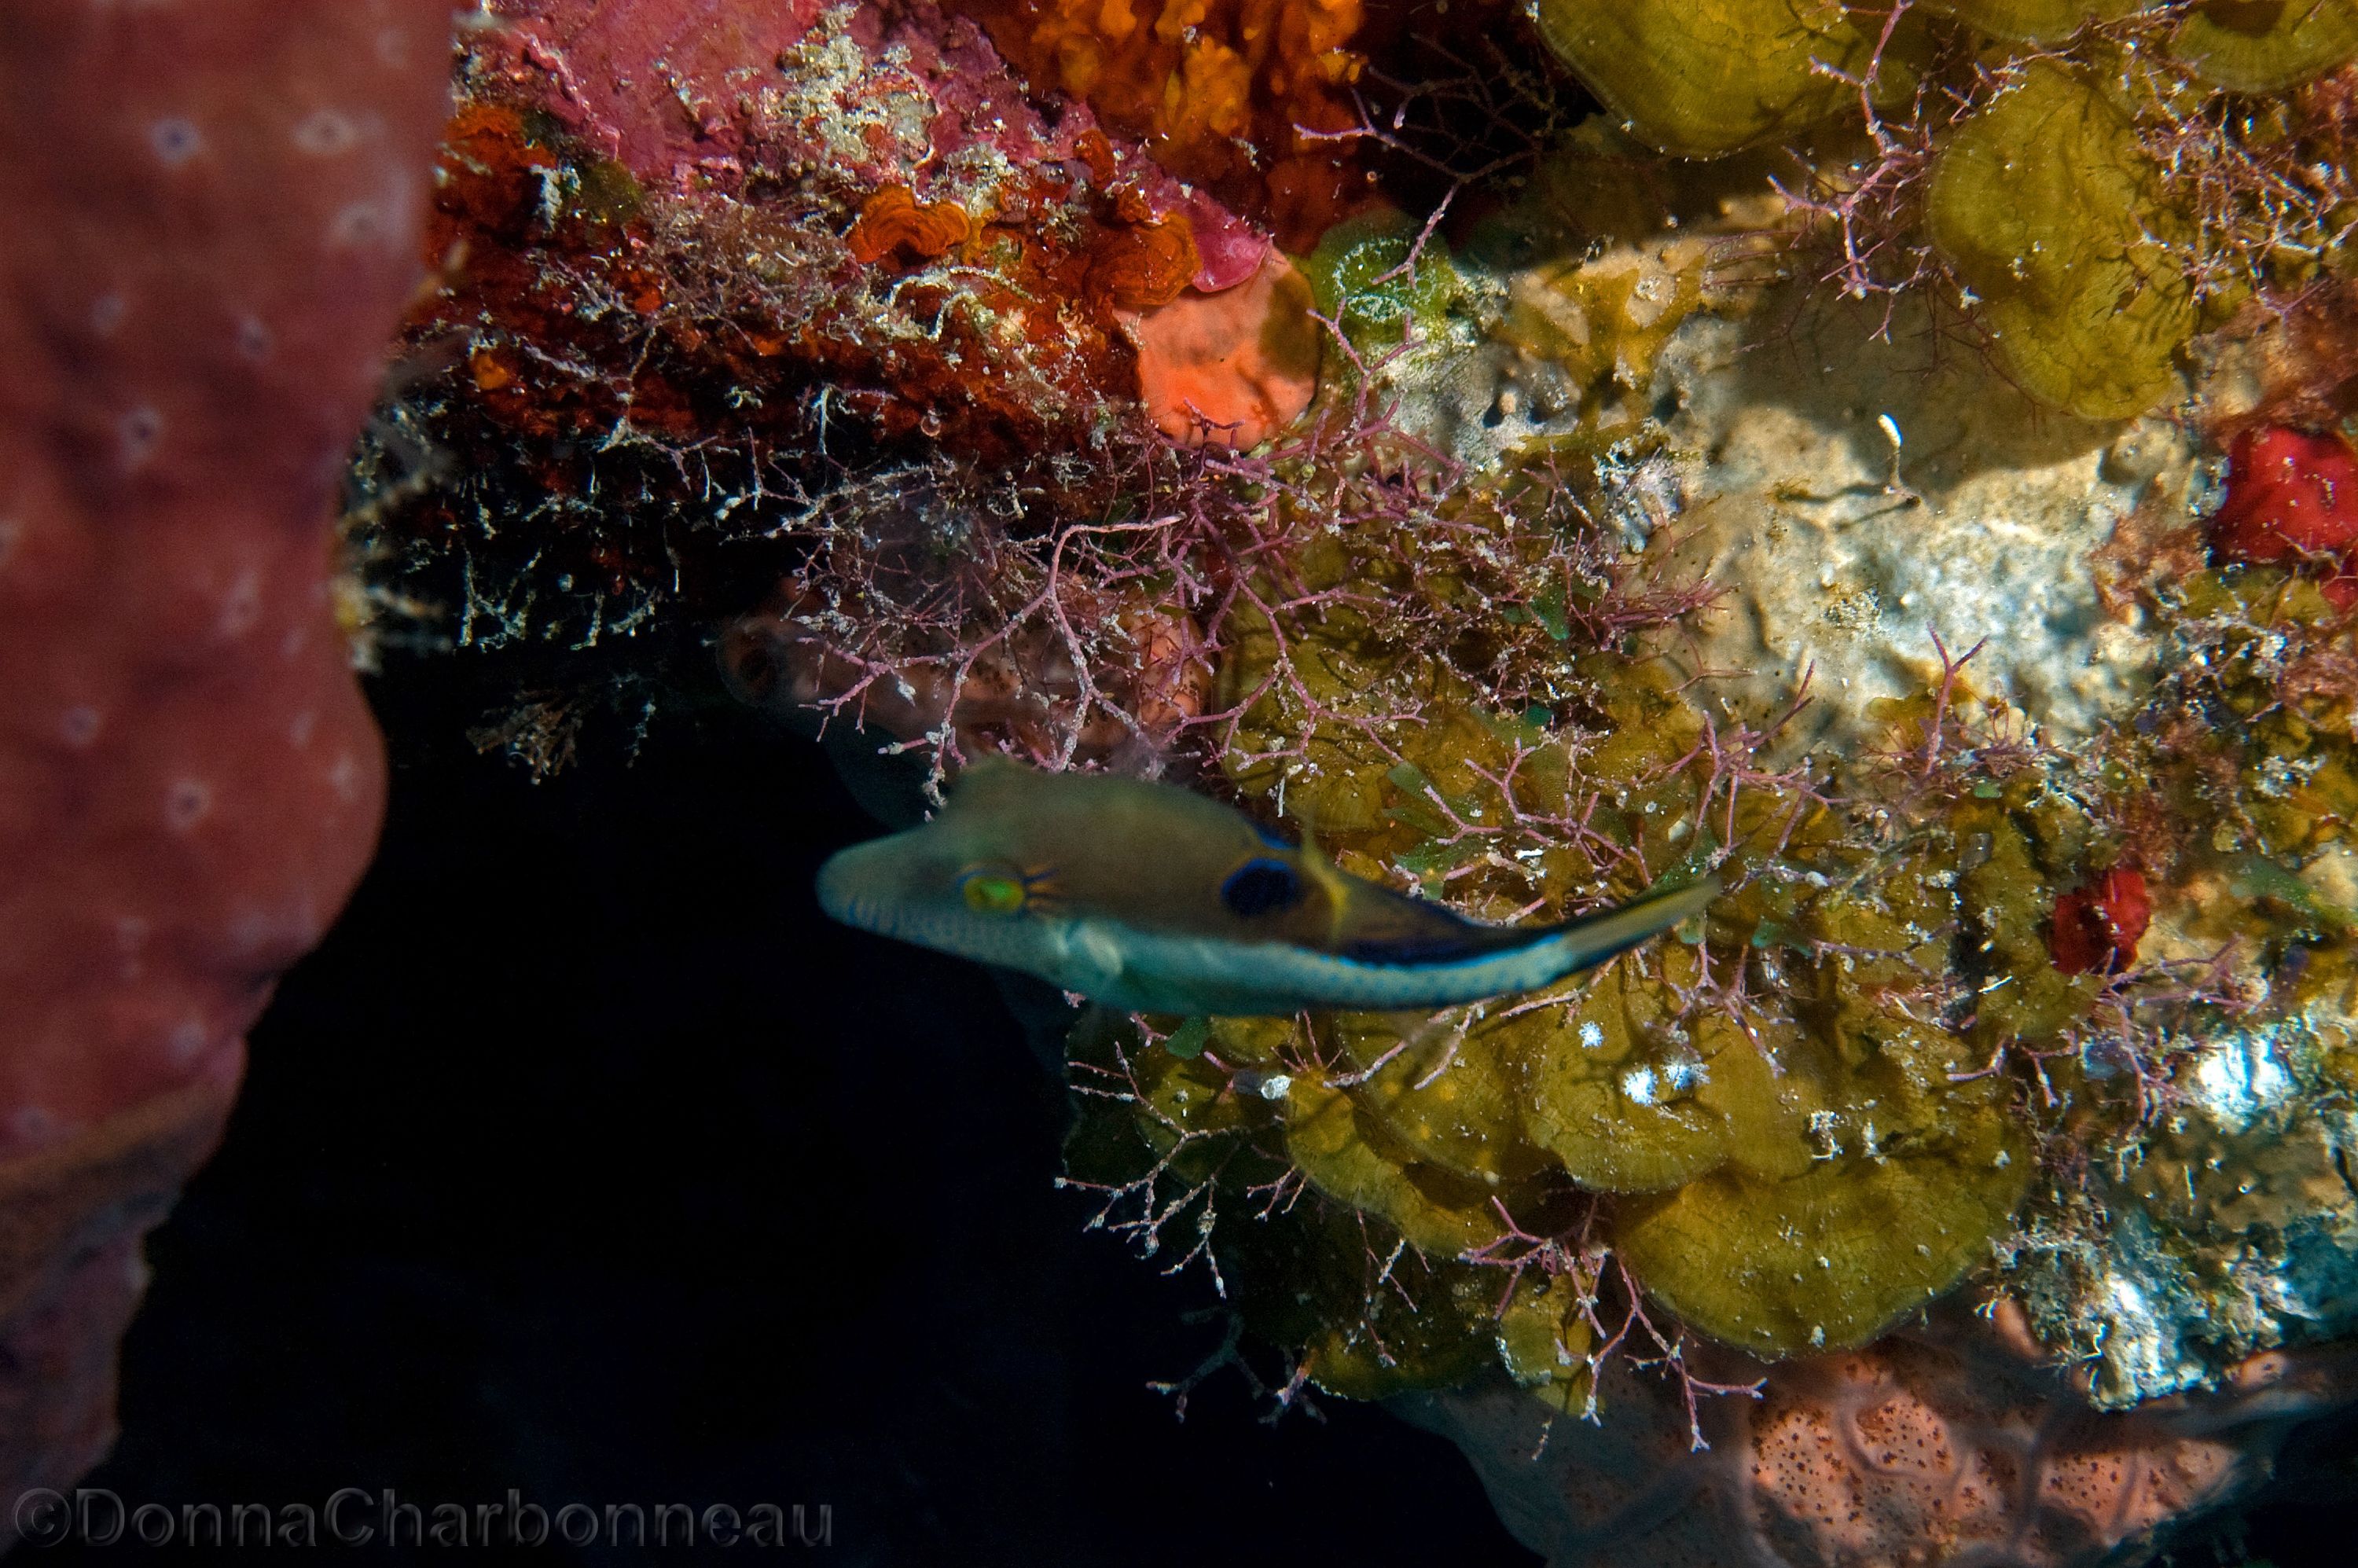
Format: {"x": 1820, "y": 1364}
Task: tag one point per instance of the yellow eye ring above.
{"x": 992, "y": 890}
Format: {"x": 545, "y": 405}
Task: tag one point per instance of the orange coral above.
{"x": 1205, "y": 84}
{"x": 895, "y": 222}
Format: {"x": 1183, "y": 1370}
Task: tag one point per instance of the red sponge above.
{"x": 2292, "y": 497}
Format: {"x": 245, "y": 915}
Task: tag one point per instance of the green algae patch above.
{"x": 2265, "y": 46}
{"x": 1704, "y": 77}
{"x": 1831, "y": 1257}
{"x": 1544, "y": 1339}
{"x": 2035, "y": 21}
{"x": 1365, "y": 1318}
{"x": 1372, "y": 277}
{"x": 1866, "y": 1165}
{"x": 1247, "y": 1042}
{"x": 1444, "y": 1094}
{"x": 2052, "y": 214}
{"x": 2005, "y": 898}
{"x": 1429, "y": 1337}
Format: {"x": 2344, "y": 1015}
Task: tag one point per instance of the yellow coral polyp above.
{"x": 2265, "y": 46}
{"x": 2053, "y": 215}
{"x": 1704, "y": 77}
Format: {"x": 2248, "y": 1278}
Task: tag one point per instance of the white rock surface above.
{"x": 1856, "y": 498}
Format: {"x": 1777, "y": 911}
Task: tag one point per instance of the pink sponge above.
{"x": 212, "y": 225}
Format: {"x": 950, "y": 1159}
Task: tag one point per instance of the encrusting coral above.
{"x": 2268, "y": 48}
{"x": 2050, "y": 211}
{"x": 1702, "y": 80}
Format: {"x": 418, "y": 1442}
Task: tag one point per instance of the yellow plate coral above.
{"x": 2265, "y": 46}
{"x": 2052, "y": 213}
{"x": 2034, "y": 21}
{"x": 1704, "y": 79}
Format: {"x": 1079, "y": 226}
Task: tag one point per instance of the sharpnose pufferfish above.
{"x": 1151, "y": 899}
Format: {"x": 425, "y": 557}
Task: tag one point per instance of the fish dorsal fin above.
{"x": 989, "y": 780}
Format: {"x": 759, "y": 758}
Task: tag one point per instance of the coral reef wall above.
{"x": 213, "y": 220}
{"x": 1898, "y": 461}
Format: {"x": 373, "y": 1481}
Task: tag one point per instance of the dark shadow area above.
{"x": 1837, "y": 364}
{"x": 587, "y": 1159}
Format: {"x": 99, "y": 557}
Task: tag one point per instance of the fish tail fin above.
{"x": 1592, "y": 939}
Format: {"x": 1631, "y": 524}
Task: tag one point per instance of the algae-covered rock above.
{"x": 2035, "y": 21}
{"x": 1608, "y": 315}
{"x": 2265, "y": 46}
{"x": 2054, "y": 216}
{"x": 1704, "y": 78}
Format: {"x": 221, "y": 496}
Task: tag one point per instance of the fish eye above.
{"x": 1260, "y": 886}
{"x": 992, "y": 890}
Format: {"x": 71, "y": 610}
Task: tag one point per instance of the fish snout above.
{"x": 851, "y": 890}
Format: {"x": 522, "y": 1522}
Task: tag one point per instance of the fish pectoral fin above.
{"x": 1330, "y": 880}
{"x": 1098, "y": 950}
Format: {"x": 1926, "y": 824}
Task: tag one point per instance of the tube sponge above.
{"x": 2054, "y": 216}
